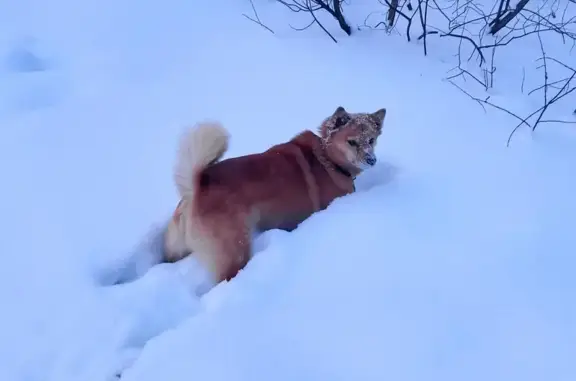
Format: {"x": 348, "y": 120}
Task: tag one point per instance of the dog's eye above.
{"x": 371, "y": 141}
{"x": 353, "y": 143}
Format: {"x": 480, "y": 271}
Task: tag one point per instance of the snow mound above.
{"x": 452, "y": 261}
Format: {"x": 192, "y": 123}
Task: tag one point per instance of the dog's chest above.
{"x": 327, "y": 194}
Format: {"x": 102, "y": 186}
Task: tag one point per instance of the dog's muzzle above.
{"x": 370, "y": 160}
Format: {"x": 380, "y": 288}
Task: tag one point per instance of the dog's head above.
{"x": 350, "y": 138}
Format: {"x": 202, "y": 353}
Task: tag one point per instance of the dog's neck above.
{"x": 340, "y": 175}
{"x": 342, "y": 170}
{"x": 333, "y": 163}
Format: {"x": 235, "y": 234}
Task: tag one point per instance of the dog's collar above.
{"x": 329, "y": 164}
{"x": 342, "y": 171}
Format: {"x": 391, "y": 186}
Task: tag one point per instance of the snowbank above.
{"x": 452, "y": 261}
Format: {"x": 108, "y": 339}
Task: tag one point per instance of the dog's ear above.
{"x": 340, "y": 118}
{"x": 334, "y": 122}
{"x": 378, "y": 116}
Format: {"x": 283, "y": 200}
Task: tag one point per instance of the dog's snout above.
{"x": 370, "y": 159}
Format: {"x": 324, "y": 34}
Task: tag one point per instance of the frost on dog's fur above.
{"x": 341, "y": 117}
{"x": 224, "y": 202}
{"x": 354, "y": 137}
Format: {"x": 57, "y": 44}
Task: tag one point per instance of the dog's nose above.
{"x": 370, "y": 160}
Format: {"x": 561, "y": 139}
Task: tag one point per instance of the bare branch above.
{"x": 423, "y": 22}
{"x": 500, "y": 23}
{"x": 469, "y": 23}
{"x": 476, "y": 47}
{"x": 318, "y": 22}
{"x": 333, "y": 7}
{"x": 257, "y": 20}
{"x": 392, "y": 12}
{"x": 408, "y": 19}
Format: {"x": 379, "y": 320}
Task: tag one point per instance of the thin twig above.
{"x": 257, "y": 20}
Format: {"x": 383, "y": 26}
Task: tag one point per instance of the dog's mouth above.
{"x": 363, "y": 166}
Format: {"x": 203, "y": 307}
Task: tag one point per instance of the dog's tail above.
{"x": 200, "y": 146}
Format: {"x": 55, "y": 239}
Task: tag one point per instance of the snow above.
{"x": 453, "y": 260}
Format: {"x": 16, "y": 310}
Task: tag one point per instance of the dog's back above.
{"x": 279, "y": 187}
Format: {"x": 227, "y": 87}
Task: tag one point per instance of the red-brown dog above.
{"x": 224, "y": 202}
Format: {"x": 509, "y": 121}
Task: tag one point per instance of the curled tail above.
{"x": 200, "y": 146}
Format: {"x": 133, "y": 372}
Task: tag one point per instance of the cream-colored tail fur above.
{"x": 199, "y": 147}
{"x": 203, "y": 144}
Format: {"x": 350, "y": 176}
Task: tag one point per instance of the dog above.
{"x": 223, "y": 203}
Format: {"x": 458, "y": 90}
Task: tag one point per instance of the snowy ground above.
{"x": 454, "y": 261}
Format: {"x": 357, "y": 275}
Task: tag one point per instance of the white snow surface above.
{"x": 454, "y": 260}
